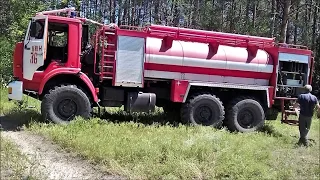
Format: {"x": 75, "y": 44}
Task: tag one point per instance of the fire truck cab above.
{"x": 206, "y": 78}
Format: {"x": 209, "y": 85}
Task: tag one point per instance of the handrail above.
{"x": 179, "y": 30}
{"x": 292, "y": 46}
{"x": 205, "y": 36}
{"x": 202, "y": 36}
{"x": 195, "y": 35}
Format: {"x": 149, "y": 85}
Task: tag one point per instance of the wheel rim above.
{"x": 67, "y": 108}
{"x": 246, "y": 118}
{"x": 203, "y": 115}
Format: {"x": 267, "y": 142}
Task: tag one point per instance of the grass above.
{"x": 149, "y": 152}
{"x": 5, "y": 106}
{"x": 141, "y": 150}
{"x": 14, "y": 165}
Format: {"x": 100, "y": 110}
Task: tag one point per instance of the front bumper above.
{"x": 15, "y": 90}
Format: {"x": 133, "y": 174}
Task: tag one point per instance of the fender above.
{"x": 88, "y": 82}
{"x": 71, "y": 71}
{"x": 267, "y": 89}
{"x": 180, "y": 89}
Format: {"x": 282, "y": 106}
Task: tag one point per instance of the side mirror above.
{"x": 33, "y": 29}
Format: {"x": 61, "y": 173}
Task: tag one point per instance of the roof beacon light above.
{"x": 73, "y": 14}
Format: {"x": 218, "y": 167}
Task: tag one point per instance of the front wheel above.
{"x": 245, "y": 114}
{"x": 62, "y": 104}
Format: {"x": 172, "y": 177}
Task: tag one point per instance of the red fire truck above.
{"x": 207, "y": 78}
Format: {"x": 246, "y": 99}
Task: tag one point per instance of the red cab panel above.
{"x": 17, "y": 60}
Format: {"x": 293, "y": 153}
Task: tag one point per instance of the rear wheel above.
{"x": 203, "y": 109}
{"x": 245, "y": 114}
{"x": 62, "y": 104}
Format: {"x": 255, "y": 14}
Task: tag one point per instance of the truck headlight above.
{"x": 10, "y": 90}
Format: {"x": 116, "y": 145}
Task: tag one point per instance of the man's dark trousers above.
{"x": 304, "y": 127}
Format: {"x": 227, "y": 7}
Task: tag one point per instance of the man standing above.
{"x": 307, "y": 102}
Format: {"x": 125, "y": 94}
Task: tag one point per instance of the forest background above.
{"x": 289, "y": 21}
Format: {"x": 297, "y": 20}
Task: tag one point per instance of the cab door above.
{"x": 35, "y": 44}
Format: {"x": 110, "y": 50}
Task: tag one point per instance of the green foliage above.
{"x": 316, "y": 74}
{"x": 16, "y": 20}
{"x": 6, "y": 50}
{"x": 21, "y": 11}
{"x": 28, "y": 108}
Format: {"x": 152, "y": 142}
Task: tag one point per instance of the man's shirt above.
{"x": 307, "y": 104}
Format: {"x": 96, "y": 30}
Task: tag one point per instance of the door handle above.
{"x": 26, "y": 47}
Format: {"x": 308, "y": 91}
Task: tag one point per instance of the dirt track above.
{"x": 50, "y": 160}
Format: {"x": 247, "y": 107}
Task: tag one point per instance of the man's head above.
{"x": 308, "y": 88}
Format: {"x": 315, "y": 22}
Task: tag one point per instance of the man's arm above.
{"x": 297, "y": 103}
{"x": 296, "y": 106}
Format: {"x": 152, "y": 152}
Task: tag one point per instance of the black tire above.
{"x": 203, "y": 109}
{"x": 78, "y": 104}
{"x": 246, "y": 107}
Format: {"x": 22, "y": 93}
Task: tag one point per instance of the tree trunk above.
{"x": 222, "y": 18}
{"x": 285, "y": 18}
{"x": 156, "y": 12}
{"x": 176, "y": 14}
{"x": 296, "y": 27}
{"x": 120, "y": 10}
{"x": 306, "y": 26}
{"x": 247, "y": 20}
{"x": 254, "y": 15}
{"x": 110, "y": 11}
{"x": 314, "y": 25}
{"x": 273, "y": 17}
{"x": 125, "y": 12}
{"x": 133, "y": 9}
{"x": 114, "y": 12}
{"x": 196, "y": 12}
{"x": 150, "y": 12}
{"x": 232, "y": 17}
{"x": 288, "y": 34}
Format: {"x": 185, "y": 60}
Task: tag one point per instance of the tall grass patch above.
{"x": 140, "y": 151}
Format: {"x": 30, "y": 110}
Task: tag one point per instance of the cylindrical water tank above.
{"x": 198, "y": 62}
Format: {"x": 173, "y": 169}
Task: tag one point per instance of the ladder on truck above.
{"x": 106, "y": 39}
{"x": 287, "y": 110}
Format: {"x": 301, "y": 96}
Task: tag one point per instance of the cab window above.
{"x": 58, "y": 41}
{"x": 36, "y": 30}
